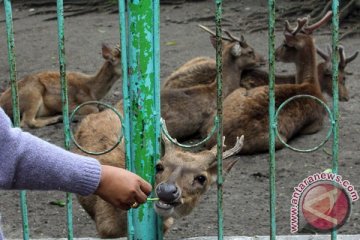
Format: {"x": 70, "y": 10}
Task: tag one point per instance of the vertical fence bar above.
{"x": 15, "y": 102}
{"x": 156, "y": 63}
{"x": 126, "y": 102}
{"x": 143, "y": 115}
{"x": 272, "y": 120}
{"x": 65, "y": 106}
{"x": 220, "y": 180}
{"x": 335, "y": 70}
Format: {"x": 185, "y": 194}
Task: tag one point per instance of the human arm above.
{"x": 27, "y": 162}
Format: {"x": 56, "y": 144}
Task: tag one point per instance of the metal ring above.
{"x": 328, "y": 134}
{"x": 174, "y": 141}
{"x": 105, "y": 105}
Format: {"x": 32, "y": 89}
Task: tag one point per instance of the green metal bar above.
{"x": 126, "y": 102}
{"x": 156, "y": 59}
{"x": 144, "y": 111}
{"x": 15, "y": 102}
{"x": 335, "y": 70}
{"x": 218, "y": 123}
{"x": 272, "y": 122}
{"x": 65, "y": 105}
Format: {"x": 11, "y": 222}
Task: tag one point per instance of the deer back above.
{"x": 246, "y": 112}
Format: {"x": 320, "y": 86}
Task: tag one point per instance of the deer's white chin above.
{"x": 163, "y": 209}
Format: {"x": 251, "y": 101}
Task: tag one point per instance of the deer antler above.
{"x": 236, "y": 149}
{"x": 313, "y": 27}
{"x": 342, "y": 56}
{"x": 232, "y": 37}
{"x": 322, "y": 54}
{"x": 352, "y": 57}
{"x": 300, "y": 24}
{"x": 213, "y": 33}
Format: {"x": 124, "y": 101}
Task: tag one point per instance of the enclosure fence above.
{"x": 139, "y": 25}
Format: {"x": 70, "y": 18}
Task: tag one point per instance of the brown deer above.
{"x": 186, "y": 109}
{"x": 246, "y": 112}
{"x": 181, "y": 177}
{"x": 202, "y": 70}
{"x": 39, "y": 94}
{"x": 325, "y": 72}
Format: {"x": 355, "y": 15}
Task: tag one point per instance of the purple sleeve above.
{"x": 29, "y": 163}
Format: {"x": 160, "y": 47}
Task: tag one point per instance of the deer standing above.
{"x": 246, "y": 112}
{"x": 39, "y": 94}
{"x": 186, "y": 109}
{"x": 181, "y": 177}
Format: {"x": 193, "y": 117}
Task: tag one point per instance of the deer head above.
{"x": 298, "y": 47}
{"x": 325, "y": 71}
{"x": 183, "y": 177}
{"x": 112, "y": 56}
{"x": 236, "y": 49}
{"x": 296, "y": 38}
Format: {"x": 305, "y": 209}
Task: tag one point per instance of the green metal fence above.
{"x": 141, "y": 85}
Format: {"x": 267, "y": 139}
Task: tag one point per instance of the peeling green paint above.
{"x": 144, "y": 102}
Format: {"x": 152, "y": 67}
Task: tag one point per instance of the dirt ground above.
{"x": 246, "y": 191}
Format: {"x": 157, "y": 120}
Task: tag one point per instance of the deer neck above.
{"x": 230, "y": 77}
{"x": 102, "y": 81}
{"x": 306, "y": 68}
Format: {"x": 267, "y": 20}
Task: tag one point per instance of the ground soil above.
{"x": 246, "y": 190}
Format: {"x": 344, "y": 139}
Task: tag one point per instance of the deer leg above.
{"x": 29, "y": 117}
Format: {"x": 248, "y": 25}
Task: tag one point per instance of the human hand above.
{"x": 122, "y": 188}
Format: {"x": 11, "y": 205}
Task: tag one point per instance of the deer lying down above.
{"x": 39, "y": 94}
{"x": 181, "y": 177}
{"x": 246, "y": 112}
{"x": 202, "y": 70}
{"x": 325, "y": 72}
{"x": 186, "y": 109}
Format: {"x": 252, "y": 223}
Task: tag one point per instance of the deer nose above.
{"x": 167, "y": 192}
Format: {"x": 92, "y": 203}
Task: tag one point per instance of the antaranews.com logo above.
{"x": 322, "y": 201}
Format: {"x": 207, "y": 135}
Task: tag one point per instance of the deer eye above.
{"x": 200, "y": 179}
{"x": 159, "y": 168}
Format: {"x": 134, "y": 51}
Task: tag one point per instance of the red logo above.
{"x": 325, "y": 205}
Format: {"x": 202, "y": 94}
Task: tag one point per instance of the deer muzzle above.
{"x": 167, "y": 192}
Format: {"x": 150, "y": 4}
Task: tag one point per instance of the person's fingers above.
{"x": 140, "y": 197}
{"x": 145, "y": 187}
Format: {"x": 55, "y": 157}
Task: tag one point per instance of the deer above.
{"x": 246, "y": 112}
{"x": 202, "y": 70}
{"x": 186, "y": 109}
{"x": 182, "y": 177}
{"x": 39, "y": 93}
{"x": 325, "y": 71}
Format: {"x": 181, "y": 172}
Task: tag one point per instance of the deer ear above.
{"x": 227, "y": 166}
{"x": 106, "y": 52}
{"x": 213, "y": 41}
{"x": 236, "y": 50}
